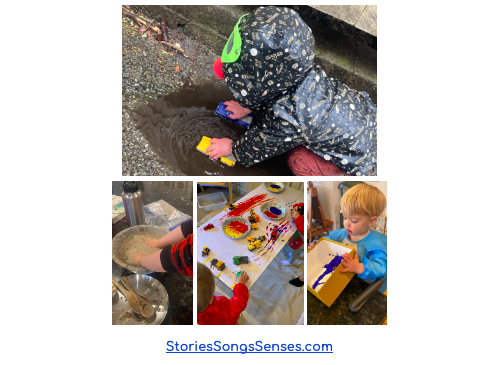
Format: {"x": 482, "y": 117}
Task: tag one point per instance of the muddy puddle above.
{"x": 173, "y": 125}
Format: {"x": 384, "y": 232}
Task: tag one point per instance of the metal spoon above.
{"x": 130, "y": 298}
{"x": 147, "y": 309}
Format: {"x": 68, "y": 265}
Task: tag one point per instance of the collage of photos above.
{"x": 257, "y": 245}
{"x": 247, "y": 94}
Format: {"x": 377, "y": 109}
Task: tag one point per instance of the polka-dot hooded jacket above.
{"x": 275, "y": 72}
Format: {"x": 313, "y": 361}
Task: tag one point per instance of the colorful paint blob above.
{"x": 247, "y": 205}
{"x": 236, "y": 229}
{"x": 329, "y": 269}
{"x": 275, "y": 210}
{"x": 270, "y": 215}
{"x": 274, "y": 188}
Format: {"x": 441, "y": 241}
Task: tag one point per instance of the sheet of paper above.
{"x": 223, "y": 248}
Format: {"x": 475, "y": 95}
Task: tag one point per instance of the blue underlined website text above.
{"x": 174, "y": 347}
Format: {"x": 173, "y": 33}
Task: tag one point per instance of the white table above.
{"x": 224, "y": 248}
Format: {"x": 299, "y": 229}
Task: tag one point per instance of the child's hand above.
{"x": 352, "y": 264}
{"x": 219, "y": 147}
{"x": 150, "y": 242}
{"x": 295, "y": 213}
{"x": 237, "y": 110}
{"x": 243, "y": 278}
{"x": 138, "y": 258}
{"x": 312, "y": 245}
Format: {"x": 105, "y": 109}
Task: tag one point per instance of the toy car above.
{"x": 256, "y": 243}
{"x": 230, "y": 207}
{"x": 237, "y": 260}
{"x": 253, "y": 218}
{"x": 252, "y": 246}
{"x": 218, "y": 264}
{"x": 254, "y": 226}
{"x": 262, "y": 238}
{"x": 250, "y": 239}
{"x": 209, "y": 226}
{"x": 274, "y": 233}
{"x": 205, "y": 251}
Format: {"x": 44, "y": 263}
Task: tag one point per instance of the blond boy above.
{"x": 213, "y": 309}
{"x": 361, "y": 205}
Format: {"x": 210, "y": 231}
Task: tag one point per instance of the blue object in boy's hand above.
{"x": 244, "y": 121}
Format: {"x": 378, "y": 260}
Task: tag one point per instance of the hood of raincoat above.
{"x": 277, "y": 49}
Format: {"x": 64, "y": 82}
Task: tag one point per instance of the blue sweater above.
{"x": 371, "y": 252}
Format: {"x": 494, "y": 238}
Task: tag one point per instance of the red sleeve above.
{"x": 239, "y": 300}
{"x": 299, "y": 222}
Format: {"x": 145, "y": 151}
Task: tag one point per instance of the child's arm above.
{"x": 337, "y": 235}
{"x": 240, "y": 295}
{"x": 151, "y": 262}
{"x": 175, "y": 236}
{"x": 177, "y": 258}
{"x": 371, "y": 267}
{"x": 375, "y": 265}
{"x": 261, "y": 142}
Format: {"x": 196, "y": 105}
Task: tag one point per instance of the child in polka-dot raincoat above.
{"x": 268, "y": 65}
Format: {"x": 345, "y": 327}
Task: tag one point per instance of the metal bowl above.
{"x": 119, "y": 238}
{"x": 265, "y": 207}
{"x": 240, "y": 219}
{"x": 279, "y": 190}
{"x": 149, "y": 288}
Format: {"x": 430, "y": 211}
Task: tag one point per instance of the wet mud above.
{"x": 173, "y": 125}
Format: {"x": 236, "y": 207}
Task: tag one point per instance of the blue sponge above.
{"x": 244, "y": 122}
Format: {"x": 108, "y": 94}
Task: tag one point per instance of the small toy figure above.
{"x": 205, "y": 251}
{"x": 209, "y": 226}
{"x": 218, "y": 264}
{"x": 255, "y": 244}
{"x": 237, "y": 260}
{"x": 230, "y": 207}
{"x": 254, "y": 226}
{"x": 253, "y": 218}
{"x": 274, "y": 233}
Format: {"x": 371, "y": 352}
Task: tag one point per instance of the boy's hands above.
{"x": 312, "y": 245}
{"x": 352, "y": 264}
{"x": 219, "y": 147}
{"x": 150, "y": 242}
{"x": 243, "y": 278}
{"x": 237, "y": 110}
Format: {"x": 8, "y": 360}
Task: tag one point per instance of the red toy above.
{"x": 209, "y": 226}
{"x": 274, "y": 233}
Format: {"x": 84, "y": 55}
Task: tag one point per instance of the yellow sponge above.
{"x": 202, "y": 147}
{"x": 204, "y": 143}
{"x": 229, "y": 160}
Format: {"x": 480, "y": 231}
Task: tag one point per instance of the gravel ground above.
{"x": 149, "y": 70}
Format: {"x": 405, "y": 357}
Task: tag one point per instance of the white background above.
{"x": 438, "y": 148}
